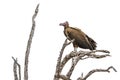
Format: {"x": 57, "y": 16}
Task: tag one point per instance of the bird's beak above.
{"x": 61, "y": 24}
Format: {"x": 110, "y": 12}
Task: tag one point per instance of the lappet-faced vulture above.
{"x": 80, "y": 38}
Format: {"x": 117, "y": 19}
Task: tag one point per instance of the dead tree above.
{"x": 17, "y": 76}
{"x": 81, "y": 55}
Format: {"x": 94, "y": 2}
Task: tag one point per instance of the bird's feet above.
{"x": 74, "y": 51}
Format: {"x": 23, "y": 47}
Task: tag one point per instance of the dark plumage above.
{"x": 81, "y": 39}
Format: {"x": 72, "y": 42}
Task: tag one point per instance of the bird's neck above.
{"x": 65, "y": 27}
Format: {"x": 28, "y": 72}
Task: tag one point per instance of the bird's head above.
{"x": 65, "y": 24}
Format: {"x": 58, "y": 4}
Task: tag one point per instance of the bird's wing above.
{"x": 92, "y": 42}
{"x": 80, "y": 37}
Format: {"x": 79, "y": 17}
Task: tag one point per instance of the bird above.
{"x": 81, "y": 39}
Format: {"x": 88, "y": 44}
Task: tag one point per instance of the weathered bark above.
{"x": 96, "y": 70}
{"x": 81, "y": 55}
{"x": 29, "y": 44}
{"x": 58, "y": 68}
{"x": 16, "y": 64}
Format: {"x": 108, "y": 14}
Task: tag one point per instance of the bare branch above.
{"x": 66, "y": 59}
{"x": 58, "y": 68}
{"x": 81, "y": 55}
{"x": 29, "y": 44}
{"x": 63, "y": 77}
{"x": 71, "y": 70}
{"x": 15, "y": 69}
{"x": 104, "y": 51}
{"x": 96, "y": 70}
{"x": 111, "y": 67}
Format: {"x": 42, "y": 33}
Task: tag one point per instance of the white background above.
{"x": 100, "y": 19}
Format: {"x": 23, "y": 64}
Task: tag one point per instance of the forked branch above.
{"x": 15, "y": 65}
{"x": 81, "y": 55}
{"x": 96, "y": 70}
{"x": 58, "y": 68}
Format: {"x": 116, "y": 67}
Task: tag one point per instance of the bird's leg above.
{"x": 74, "y": 58}
{"x": 75, "y": 49}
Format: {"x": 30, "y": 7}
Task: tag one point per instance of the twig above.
{"x": 15, "y": 69}
{"x": 96, "y": 70}
{"x": 29, "y": 44}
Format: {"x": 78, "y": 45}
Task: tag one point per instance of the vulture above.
{"x": 80, "y": 38}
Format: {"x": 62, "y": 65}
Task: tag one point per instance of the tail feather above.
{"x": 92, "y": 43}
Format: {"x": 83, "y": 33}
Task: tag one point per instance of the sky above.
{"x": 100, "y": 19}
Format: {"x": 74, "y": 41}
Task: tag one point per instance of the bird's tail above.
{"x": 92, "y": 43}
